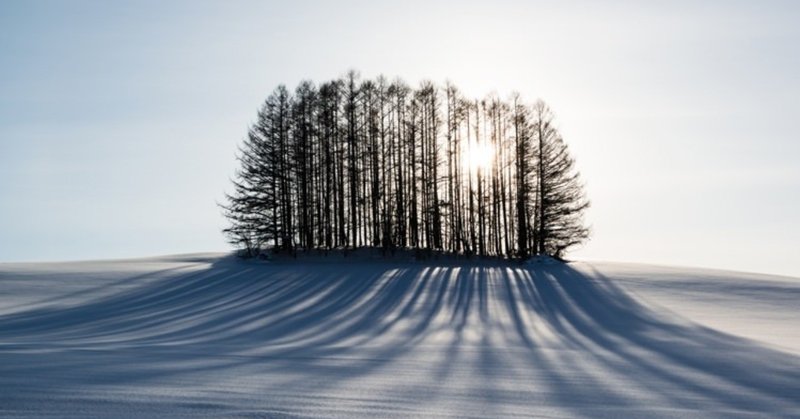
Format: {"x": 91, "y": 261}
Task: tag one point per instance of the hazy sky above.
{"x": 119, "y": 121}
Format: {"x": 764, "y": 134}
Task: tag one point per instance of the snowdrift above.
{"x": 207, "y": 335}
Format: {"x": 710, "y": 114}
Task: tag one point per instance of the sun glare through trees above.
{"x": 352, "y": 163}
{"x": 477, "y": 156}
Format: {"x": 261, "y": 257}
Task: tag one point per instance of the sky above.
{"x": 120, "y": 121}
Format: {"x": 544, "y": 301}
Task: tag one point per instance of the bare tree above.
{"x": 370, "y": 163}
{"x": 560, "y": 201}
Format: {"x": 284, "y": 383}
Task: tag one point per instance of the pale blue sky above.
{"x": 119, "y": 121}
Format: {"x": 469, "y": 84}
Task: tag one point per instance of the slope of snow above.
{"x": 207, "y": 335}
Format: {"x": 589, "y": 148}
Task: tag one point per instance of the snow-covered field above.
{"x": 207, "y": 335}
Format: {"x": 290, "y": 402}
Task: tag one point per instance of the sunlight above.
{"x": 478, "y": 156}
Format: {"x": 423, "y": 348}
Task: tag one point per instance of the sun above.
{"x": 478, "y": 156}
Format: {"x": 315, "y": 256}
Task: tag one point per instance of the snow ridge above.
{"x": 197, "y": 336}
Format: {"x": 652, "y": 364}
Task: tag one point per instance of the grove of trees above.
{"x": 352, "y": 163}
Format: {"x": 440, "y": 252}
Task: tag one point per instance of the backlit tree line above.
{"x": 352, "y": 163}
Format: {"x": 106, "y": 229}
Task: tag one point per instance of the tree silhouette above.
{"x": 371, "y": 163}
{"x": 559, "y": 196}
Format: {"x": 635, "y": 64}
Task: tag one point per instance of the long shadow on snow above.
{"x": 658, "y": 351}
{"x": 273, "y": 318}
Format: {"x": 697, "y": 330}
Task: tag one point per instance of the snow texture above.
{"x": 208, "y": 335}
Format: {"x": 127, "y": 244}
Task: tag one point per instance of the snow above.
{"x": 542, "y": 260}
{"x": 209, "y": 335}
